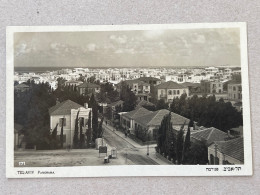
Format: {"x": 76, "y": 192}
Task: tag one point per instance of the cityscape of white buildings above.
{"x": 170, "y": 82}
{"x": 115, "y": 75}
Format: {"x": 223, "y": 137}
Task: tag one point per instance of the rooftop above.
{"x": 209, "y": 135}
{"x": 89, "y": 85}
{"x": 155, "y": 118}
{"x": 170, "y": 85}
{"x": 147, "y": 79}
{"x": 64, "y": 108}
{"x": 188, "y": 84}
{"x": 137, "y": 113}
{"x": 233, "y": 148}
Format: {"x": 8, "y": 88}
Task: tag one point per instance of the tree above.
{"x": 153, "y": 94}
{"x": 128, "y": 97}
{"x": 186, "y": 146}
{"x": 166, "y": 138}
{"x": 161, "y": 104}
{"x": 92, "y": 101}
{"x": 179, "y": 145}
{"x": 54, "y": 143}
{"x": 198, "y": 154}
{"x": 94, "y": 118}
{"x": 76, "y": 132}
{"x": 61, "y": 133}
{"x": 91, "y": 79}
{"x": 81, "y": 135}
{"x": 100, "y": 129}
{"x": 88, "y": 133}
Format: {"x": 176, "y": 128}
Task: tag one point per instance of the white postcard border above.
{"x": 124, "y": 170}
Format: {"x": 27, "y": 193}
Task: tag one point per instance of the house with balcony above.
{"x": 170, "y": 90}
{"x": 140, "y": 88}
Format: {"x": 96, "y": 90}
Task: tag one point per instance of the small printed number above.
{"x": 21, "y": 163}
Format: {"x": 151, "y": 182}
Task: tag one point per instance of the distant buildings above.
{"x": 88, "y": 88}
{"x": 235, "y": 91}
{"x": 66, "y": 112}
{"x": 73, "y": 83}
{"x": 170, "y": 90}
{"x": 212, "y": 87}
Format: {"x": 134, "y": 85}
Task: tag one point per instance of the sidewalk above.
{"x": 152, "y": 153}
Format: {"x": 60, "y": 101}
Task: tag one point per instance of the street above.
{"x": 137, "y": 155}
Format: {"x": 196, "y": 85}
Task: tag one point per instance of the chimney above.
{"x": 57, "y": 101}
{"x": 228, "y": 132}
{"x": 85, "y": 105}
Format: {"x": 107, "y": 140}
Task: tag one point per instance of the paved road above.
{"x": 136, "y": 155}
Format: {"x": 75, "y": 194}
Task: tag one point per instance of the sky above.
{"x": 139, "y": 48}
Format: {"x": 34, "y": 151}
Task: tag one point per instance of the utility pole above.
{"x": 148, "y": 143}
{"x": 126, "y": 156}
{"x": 216, "y": 153}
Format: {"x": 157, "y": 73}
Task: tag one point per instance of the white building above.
{"x": 67, "y": 112}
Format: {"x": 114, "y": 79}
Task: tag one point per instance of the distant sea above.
{"x": 45, "y": 69}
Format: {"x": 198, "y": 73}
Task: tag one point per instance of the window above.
{"x": 174, "y": 92}
{"x": 178, "y": 92}
{"x": 234, "y": 96}
{"x": 170, "y": 92}
{"x": 64, "y": 122}
{"x": 234, "y": 88}
{"x": 219, "y": 85}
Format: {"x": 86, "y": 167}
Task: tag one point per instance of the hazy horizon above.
{"x": 129, "y": 49}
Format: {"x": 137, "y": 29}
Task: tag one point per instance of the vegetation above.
{"x": 31, "y": 111}
{"x": 208, "y": 112}
{"x": 128, "y": 97}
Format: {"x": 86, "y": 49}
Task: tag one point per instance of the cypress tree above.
{"x": 61, "y": 133}
{"x": 76, "y": 132}
{"x": 186, "y": 146}
{"x": 81, "y": 133}
{"x": 88, "y": 133}
{"x": 54, "y": 132}
{"x": 179, "y": 145}
{"x": 54, "y": 137}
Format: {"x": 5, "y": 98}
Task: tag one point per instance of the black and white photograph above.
{"x": 133, "y": 100}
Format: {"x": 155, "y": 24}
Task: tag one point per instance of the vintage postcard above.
{"x": 128, "y": 100}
